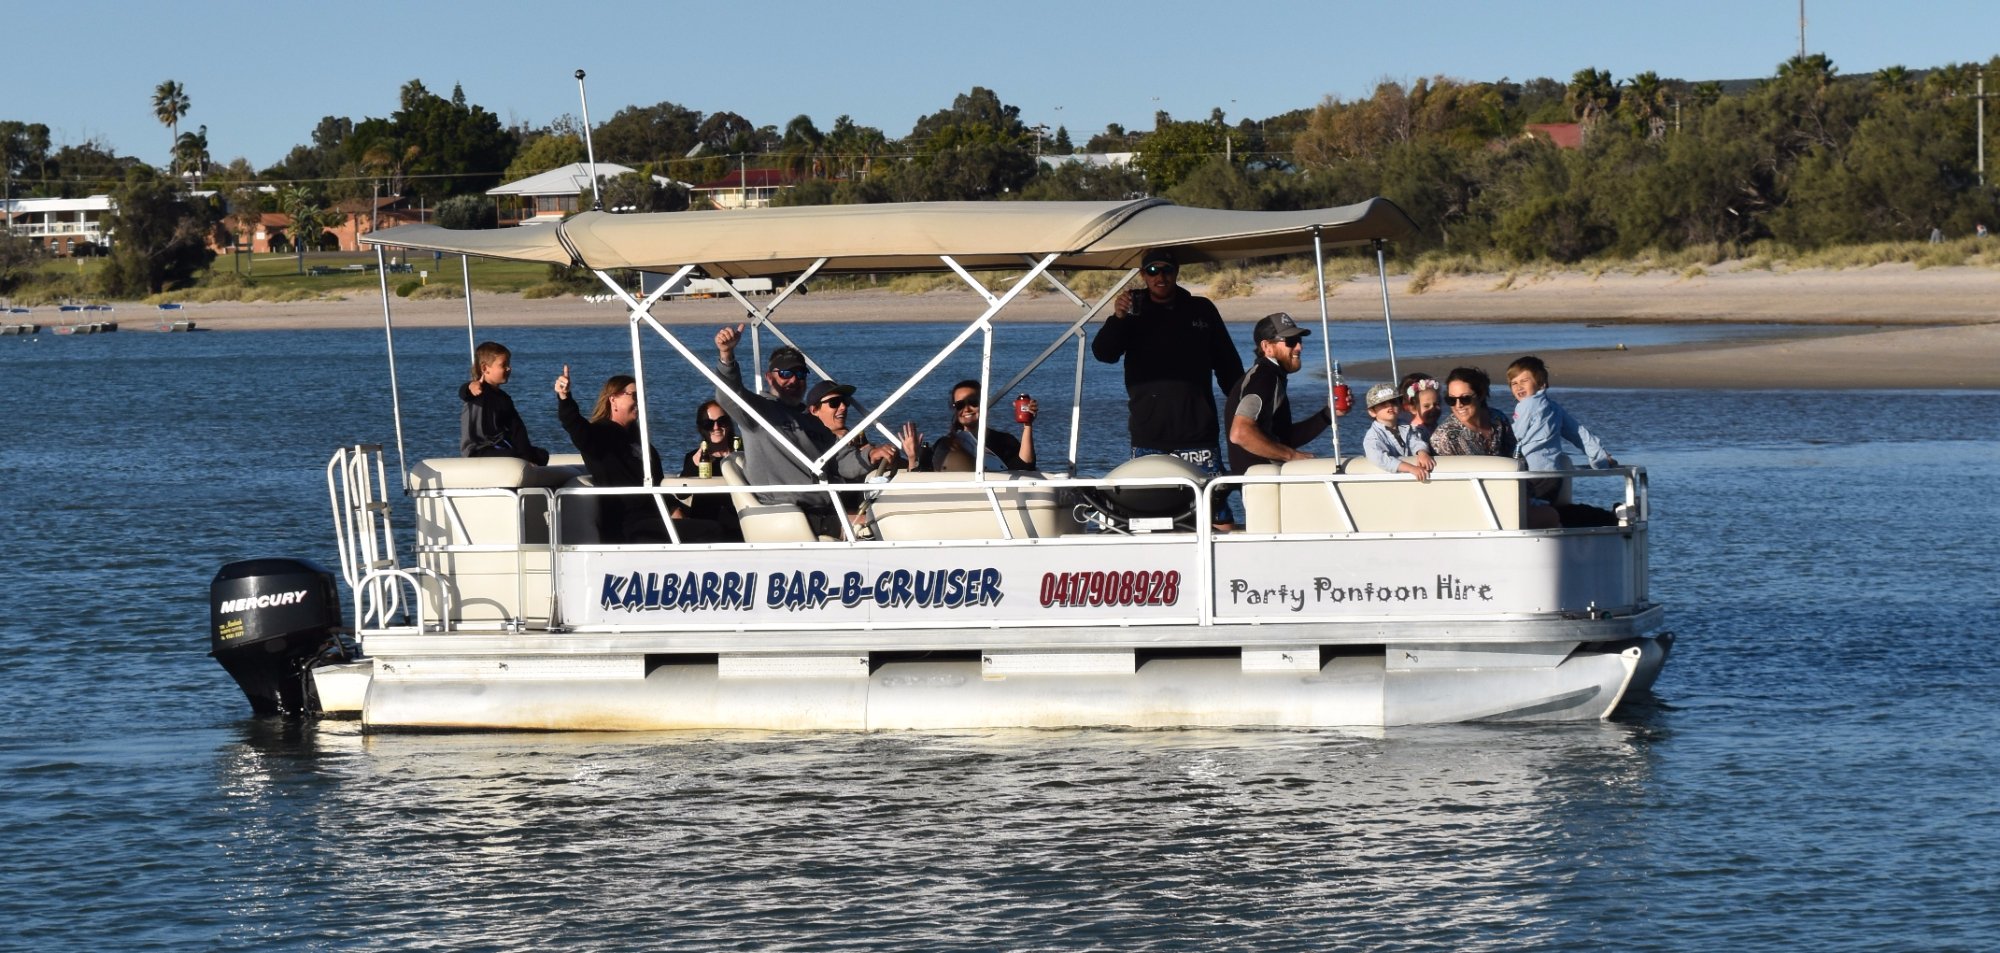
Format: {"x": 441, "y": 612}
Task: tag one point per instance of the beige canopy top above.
{"x": 910, "y": 236}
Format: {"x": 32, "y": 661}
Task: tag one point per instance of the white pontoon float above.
{"x": 1351, "y": 597}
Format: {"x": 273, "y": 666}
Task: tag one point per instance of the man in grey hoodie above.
{"x": 783, "y": 419}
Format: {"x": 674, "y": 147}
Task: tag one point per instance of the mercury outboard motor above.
{"x": 268, "y": 620}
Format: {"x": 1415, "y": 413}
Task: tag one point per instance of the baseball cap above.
{"x": 1379, "y": 394}
{"x": 787, "y": 359}
{"x": 1160, "y": 255}
{"x": 825, "y": 389}
{"x": 1278, "y": 326}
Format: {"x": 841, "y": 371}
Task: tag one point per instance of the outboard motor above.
{"x": 1139, "y": 509}
{"x": 268, "y": 620}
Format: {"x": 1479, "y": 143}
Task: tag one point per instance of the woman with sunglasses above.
{"x": 1471, "y": 427}
{"x": 954, "y": 452}
{"x": 718, "y": 440}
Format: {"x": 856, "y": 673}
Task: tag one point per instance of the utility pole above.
{"x": 1981, "y": 98}
{"x": 1802, "y": 30}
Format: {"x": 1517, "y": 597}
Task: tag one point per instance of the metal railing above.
{"x": 364, "y": 535}
{"x": 994, "y": 496}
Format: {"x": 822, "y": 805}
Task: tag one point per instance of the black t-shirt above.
{"x": 1262, "y": 396}
{"x": 1170, "y": 352}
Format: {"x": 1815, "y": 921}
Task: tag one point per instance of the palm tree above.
{"x": 1894, "y": 79}
{"x": 1817, "y": 69}
{"x": 191, "y": 152}
{"x": 1648, "y": 101}
{"x": 170, "y": 103}
{"x": 310, "y": 220}
{"x": 1591, "y": 95}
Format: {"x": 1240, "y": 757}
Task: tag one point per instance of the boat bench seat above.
{"x": 481, "y": 505}
{"x": 1403, "y": 505}
{"x": 579, "y": 511}
{"x": 764, "y": 522}
{"x": 906, "y": 509}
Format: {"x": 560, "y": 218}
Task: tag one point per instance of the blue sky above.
{"x": 1075, "y": 64}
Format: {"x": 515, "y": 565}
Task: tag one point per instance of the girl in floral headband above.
{"x": 1422, "y": 400}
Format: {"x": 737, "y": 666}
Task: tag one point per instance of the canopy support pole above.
{"x": 395, "y": 392}
{"x": 760, "y": 317}
{"x": 1326, "y": 338}
{"x": 983, "y": 322}
{"x": 471, "y": 339}
{"x": 1388, "y": 325}
{"x": 985, "y": 370}
{"x": 643, "y": 312}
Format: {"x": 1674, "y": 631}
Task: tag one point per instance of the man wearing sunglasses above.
{"x": 1172, "y": 342}
{"x": 1261, "y": 429}
{"x": 784, "y": 418}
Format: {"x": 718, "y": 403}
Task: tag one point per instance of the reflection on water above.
{"x": 1003, "y": 839}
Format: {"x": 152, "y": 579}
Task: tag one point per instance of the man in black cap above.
{"x": 783, "y": 418}
{"x": 1171, "y": 343}
{"x": 1261, "y": 429}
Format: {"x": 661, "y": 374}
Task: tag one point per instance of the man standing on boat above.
{"x": 1171, "y": 342}
{"x": 784, "y": 419}
{"x": 1261, "y": 429}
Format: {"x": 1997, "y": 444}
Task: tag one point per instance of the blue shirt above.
{"x": 1540, "y": 427}
{"x": 1386, "y": 448}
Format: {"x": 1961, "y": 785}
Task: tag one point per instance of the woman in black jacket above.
{"x": 609, "y": 442}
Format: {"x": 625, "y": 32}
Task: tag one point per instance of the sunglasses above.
{"x": 787, "y": 374}
{"x": 963, "y": 404}
{"x": 1296, "y": 341}
{"x": 1160, "y": 269}
{"x": 1461, "y": 399}
{"x": 834, "y": 401}
{"x": 716, "y": 423}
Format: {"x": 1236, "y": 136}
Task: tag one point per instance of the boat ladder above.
{"x": 356, "y": 485}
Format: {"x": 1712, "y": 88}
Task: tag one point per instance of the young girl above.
{"x": 1422, "y": 401}
{"x": 489, "y": 426}
{"x": 1392, "y": 447}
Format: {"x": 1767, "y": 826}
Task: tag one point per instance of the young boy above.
{"x": 1541, "y": 425}
{"x": 1393, "y": 447}
{"x": 489, "y": 426}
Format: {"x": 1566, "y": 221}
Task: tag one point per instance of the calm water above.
{"x": 1817, "y": 771}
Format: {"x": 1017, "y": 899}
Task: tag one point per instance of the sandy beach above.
{"x": 1887, "y": 326}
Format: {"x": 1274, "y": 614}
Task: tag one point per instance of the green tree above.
{"x": 159, "y": 236}
{"x": 1174, "y": 149}
{"x": 1592, "y": 95}
{"x": 659, "y": 134}
{"x": 1216, "y": 183}
{"x": 191, "y": 153}
{"x": 20, "y": 261}
{"x": 639, "y": 192}
{"x": 976, "y": 149}
{"x": 310, "y": 219}
{"x": 467, "y": 212}
{"x": 170, "y": 103}
{"x": 86, "y": 168}
{"x": 543, "y": 153}
{"x": 441, "y": 147}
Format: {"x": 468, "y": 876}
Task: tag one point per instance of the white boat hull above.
{"x": 1360, "y": 686}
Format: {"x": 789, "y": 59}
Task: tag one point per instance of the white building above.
{"x": 550, "y": 196}
{"x": 58, "y": 226}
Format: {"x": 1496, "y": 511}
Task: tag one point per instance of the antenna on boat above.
{"x": 589, "y": 151}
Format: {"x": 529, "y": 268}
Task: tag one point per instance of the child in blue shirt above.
{"x": 1393, "y": 447}
{"x": 1541, "y": 425}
